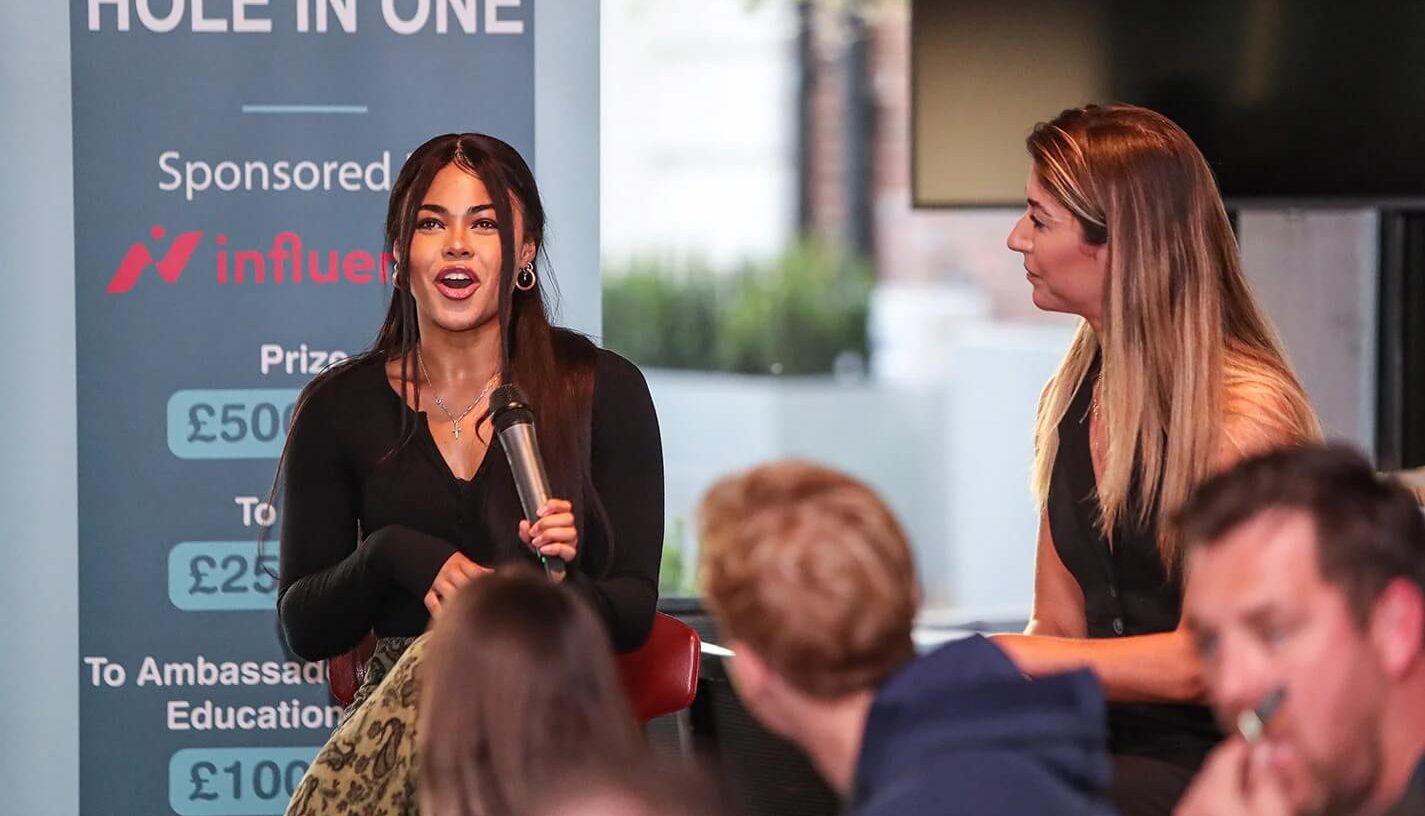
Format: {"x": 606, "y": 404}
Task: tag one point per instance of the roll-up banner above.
{"x": 232, "y": 161}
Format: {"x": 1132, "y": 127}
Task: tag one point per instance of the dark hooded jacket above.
{"x": 961, "y": 731}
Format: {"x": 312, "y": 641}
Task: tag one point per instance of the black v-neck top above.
{"x": 1126, "y": 589}
{"x": 367, "y": 523}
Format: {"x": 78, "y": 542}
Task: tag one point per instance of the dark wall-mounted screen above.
{"x": 1292, "y": 101}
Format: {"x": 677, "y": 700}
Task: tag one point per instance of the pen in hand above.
{"x": 1253, "y": 721}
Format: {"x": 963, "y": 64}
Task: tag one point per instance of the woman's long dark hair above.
{"x": 518, "y": 683}
{"x": 553, "y": 366}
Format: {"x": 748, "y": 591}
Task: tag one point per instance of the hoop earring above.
{"x": 525, "y": 279}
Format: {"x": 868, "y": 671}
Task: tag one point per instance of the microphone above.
{"x": 514, "y": 422}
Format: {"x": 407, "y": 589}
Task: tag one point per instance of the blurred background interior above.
{"x": 804, "y": 212}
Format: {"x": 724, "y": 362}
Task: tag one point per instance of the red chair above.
{"x": 346, "y": 672}
{"x": 660, "y": 678}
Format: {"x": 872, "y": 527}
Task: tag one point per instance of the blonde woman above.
{"x": 1174, "y": 374}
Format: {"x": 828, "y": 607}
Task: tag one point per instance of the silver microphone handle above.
{"x": 522, "y": 449}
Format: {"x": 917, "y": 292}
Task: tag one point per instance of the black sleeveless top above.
{"x": 1126, "y": 589}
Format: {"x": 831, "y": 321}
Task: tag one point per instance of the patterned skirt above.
{"x": 369, "y": 766}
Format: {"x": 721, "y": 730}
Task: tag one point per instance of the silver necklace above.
{"x": 440, "y": 403}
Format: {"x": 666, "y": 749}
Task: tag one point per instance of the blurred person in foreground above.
{"x": 519, "y": 688}
{"x": 1307, "y": 604}
{"x": 812, "y": 584}
{"x": 656, "y": 787}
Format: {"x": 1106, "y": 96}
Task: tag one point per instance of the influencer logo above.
{"x": 138, "y": 258}
{"x": 284, "y": 261}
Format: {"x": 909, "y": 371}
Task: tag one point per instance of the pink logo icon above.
{"x": 138, "y": 258}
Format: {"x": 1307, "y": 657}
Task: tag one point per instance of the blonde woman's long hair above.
{"x": 1181, "y": 328}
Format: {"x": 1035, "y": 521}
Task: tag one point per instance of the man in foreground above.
{"x": 1306, "y": 594}
{"x": 813, "y": 586}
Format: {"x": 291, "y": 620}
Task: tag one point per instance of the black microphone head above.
{"x": 508, "y": 405}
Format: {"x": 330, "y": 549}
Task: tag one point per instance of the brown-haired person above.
{"x": 1307, "y": 602}
{"x": 514, "y": 687}
{"x": 650, "y": 786}
{"x": 813, "y": 587}
{"x": 1175, "y": 373}
{"x": 396, "y": 492}
{"x": 519, "y": 691}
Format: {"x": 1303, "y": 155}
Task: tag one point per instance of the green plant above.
{"x": 658, "y": 318}
{"x": 674, "y": 577}
{"x": 792, "y": 315}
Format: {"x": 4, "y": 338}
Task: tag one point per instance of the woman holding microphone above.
{"x": 396, "y": 492}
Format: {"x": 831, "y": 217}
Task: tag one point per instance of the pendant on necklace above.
{"x": 455, "y": 427}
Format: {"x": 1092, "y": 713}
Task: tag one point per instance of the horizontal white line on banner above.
{"x": 304, "y": 109}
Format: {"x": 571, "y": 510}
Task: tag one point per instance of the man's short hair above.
{"x": 810, "y": 569}
{"x": 1369, "y": 529}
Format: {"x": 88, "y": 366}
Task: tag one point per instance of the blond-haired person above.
{"x": 1175, "y": 373}
{"x": 812, "y": 584}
